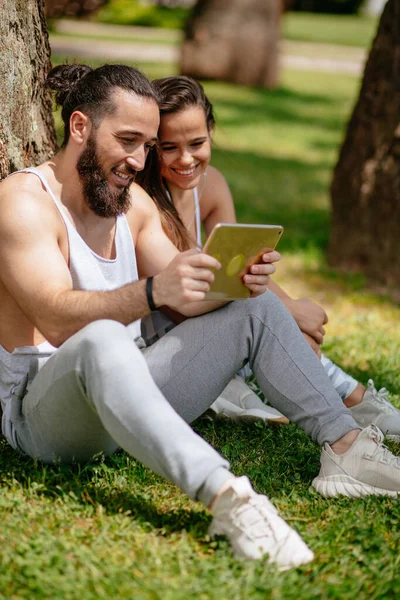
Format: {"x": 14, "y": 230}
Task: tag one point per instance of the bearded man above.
{"x": 83, "y": 258}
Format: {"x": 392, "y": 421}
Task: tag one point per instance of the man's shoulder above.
{"x": 142, "y": 205}
{"x": 143, "y": 212}
{"x": 21, "y": 186}
{"x": 23, "y": 197}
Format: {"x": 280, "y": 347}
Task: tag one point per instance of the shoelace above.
{"x": 255, "y": 514}
{"x": 381, "y": 398}
{"x": 381, "y": 451}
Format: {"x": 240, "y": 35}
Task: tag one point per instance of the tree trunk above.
{"x": 366, "y": 185}
{"x": 27, "y": 134}
{"x": 233, "y": 40}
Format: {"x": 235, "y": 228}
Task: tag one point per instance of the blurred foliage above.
{"x": 134, "y": 12}
{"x": 71, "y": 8}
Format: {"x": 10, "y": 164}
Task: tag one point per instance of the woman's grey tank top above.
{"x": 197, "y": 217}
{"x": 90, "y": 272}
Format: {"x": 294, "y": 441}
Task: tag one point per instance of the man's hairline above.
{"x": 113, "y": 104}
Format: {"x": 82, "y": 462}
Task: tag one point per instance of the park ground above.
{"x": 111, "y": 528}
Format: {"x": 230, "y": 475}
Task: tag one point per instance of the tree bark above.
{"x": 365, "y": 190}
{"x": 27, "y": 134}
{"x": 233, "y": 40}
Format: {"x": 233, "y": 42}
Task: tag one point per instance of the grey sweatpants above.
{"x": 99, "y": 391}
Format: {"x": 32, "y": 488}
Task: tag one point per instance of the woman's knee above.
{"x": 260, "y": 306}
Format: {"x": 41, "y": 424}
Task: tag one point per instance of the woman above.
{"x": 194, "y": 193}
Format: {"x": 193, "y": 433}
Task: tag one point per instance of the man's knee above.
{"x": 105, "y": 344}
{"x": 103, "y": 337}
{"x": 101, "y": 332}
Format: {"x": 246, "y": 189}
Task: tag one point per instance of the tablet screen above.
{"x": 237, "y": 246}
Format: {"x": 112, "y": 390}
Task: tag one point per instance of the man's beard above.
{"x": 103, "y": 201}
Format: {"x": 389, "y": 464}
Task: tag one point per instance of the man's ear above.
{"x": 211, "y": 133}
{"x": 80, "y": 127}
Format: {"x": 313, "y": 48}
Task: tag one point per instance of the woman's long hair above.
{"x": 150, "y": 180}
{"x": 176, "y": 94}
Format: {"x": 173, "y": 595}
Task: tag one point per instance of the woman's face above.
{"x": 185, "y": 145}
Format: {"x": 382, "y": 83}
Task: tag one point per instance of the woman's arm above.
{"x": 310, "y": 317}
{"x": 216, "y": 204}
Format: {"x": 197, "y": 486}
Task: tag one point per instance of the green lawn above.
{"x": 112, "y": 529}
{"x": 123, "y": 39}
{"x": 338, "y": 30}
{"x": 347, "y": 30}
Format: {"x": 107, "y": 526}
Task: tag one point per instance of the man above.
{"x": 83, "y": 257}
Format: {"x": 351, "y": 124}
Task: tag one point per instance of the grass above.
{"x": 120, "y": 39}
{"x": 111, "y": 528}
{"x": 347, "y": 30}
{"x": 341, "y": 30}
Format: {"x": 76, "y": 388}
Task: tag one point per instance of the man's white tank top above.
{"x": 90, "y": 272}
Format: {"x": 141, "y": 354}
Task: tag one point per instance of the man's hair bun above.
{"x": 64, "y": 78}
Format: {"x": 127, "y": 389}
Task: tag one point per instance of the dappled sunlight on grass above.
{"x": 349, "y": 30}
{"x": 363, "y": 332}
{"x": 277, "y": 150}
{"x": 111, "y": 528}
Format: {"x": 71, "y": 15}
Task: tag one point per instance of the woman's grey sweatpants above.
{"x": 99, "y": 391}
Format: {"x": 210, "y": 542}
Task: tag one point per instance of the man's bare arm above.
{"x": 35, "y": 273}
{"x": 154, "y": 248}
{"x": 190, "y": 275}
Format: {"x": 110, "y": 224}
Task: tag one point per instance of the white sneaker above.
{"x": 238, "y": 401}
{"x": 367, "y": 468}
{"x": 254, "y": 528}
{"x": 376, "y": 409}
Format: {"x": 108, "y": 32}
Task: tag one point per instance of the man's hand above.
{"x": 257, "y": 280}
{"x": 187, "y": 278}
{"x": 309, "y": 316}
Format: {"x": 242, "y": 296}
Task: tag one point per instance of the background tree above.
{"x": 366, "y": 185}
{"x": 233, "y": 40}
{"x": 328, "y": 6}
{"x": 27, "y": 134}
{"x": 71, "y": 8}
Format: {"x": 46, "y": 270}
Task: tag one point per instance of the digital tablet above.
{"x": 237, "y": 246}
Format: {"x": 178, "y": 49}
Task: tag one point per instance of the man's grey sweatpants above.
{"x": 99, "y": 391}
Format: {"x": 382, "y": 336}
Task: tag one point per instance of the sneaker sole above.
{"x": 248, "y": 418}
{"x": 254, "y": 418}
{"x": 341, "y": 485}
{"x": 296, "y": 560}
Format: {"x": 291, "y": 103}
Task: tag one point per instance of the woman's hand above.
{"x": 257, "y": 279}
{"x": 310, "y": 317}
{"x": 311, "y": 341}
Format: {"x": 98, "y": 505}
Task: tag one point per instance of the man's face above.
{"x": 115, "y": 151}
